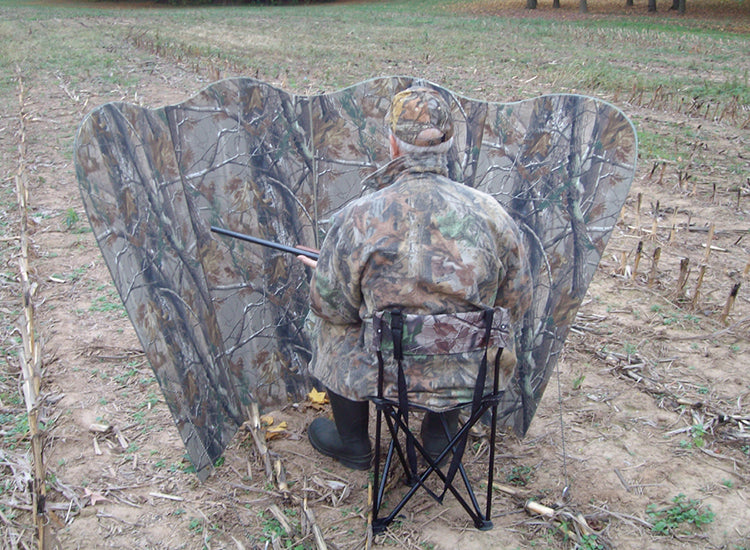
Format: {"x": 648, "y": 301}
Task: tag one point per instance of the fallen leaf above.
{"x": 277, "y": 431}
{"x": 317, "y": 398}
{"x": 266, "y": 420}
{"x": 93, "y": 497}
{"x": 335, "y": 485}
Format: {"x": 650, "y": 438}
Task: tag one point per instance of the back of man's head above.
{"x": 420, "y": 117}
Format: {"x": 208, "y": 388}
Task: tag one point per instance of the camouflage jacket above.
{"x": 422, "y": 244}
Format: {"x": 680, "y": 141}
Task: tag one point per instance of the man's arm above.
{"x": 514, "y": 289}
{"x": 335, "y": 293}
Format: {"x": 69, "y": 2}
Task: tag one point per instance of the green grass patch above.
{"x": 109, "y": 303}
{"x": 15, "y": 428}
{"x": 519, "y": 475}
{"x": 682, "y": 516}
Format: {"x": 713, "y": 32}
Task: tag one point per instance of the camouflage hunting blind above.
{"x": 220, "y": 320}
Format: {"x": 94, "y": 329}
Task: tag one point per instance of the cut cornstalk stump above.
{"x": 698, "y": 284}
{"x": 655, "y": 224}
{"x": 682, "y": 279}
{"x": 661, "y": 174}
{"x": 638, "y": 252}
{"x": 623, "y": 267}
{"x": 654, "y": 266}
{"x": 730, "y": 302}
{"x": 279, "y": 473}
{"x": 638, "y": 213}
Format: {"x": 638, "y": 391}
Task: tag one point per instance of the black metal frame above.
{"x": 396, "y": 414}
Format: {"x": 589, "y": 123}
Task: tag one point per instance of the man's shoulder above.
{"x": 483, "y": 200}
{"x": 411, "y": 184}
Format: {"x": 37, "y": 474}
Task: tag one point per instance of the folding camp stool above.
{"x": 417, "y": 337}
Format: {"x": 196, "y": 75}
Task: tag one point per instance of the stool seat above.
{"x": 402, "y": 335}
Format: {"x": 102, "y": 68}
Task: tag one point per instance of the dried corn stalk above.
{"x": 31, "y": 351}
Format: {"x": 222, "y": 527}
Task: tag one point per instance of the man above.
{"x": 423, "y": 244}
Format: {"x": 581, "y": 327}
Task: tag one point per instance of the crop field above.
{"x": 642, "y": 438}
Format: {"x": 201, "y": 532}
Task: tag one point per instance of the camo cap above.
{"x": 421, "y": 117}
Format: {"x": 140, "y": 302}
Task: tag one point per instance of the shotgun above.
{"x": 263, "y": 242}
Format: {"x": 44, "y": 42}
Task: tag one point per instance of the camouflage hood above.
{"x": 436, "y": 163}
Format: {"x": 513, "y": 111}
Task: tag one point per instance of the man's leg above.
{"x": 347, "y": 439}
{"x": 433, "y": 435}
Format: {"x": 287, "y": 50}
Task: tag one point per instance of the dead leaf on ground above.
{"x": 274, "y": 432}
{"x": 317, "y": 399}
{"x": 94, "y": 497}
{"x": 266, "y": 420}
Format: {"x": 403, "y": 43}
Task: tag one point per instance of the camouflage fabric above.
{"x": 425, "y": 245}
{"x": 442, "y": 334}
{"x": 419, "y": 116}
{"x": 441, "y": 354}
{"x": 221, "y": 321}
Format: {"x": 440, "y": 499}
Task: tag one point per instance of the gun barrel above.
{"x": 264, "y": 242}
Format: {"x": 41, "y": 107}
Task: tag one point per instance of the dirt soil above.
{"x": 650, "y": 401}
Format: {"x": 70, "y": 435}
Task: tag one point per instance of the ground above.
{"x": 650, "y": 400}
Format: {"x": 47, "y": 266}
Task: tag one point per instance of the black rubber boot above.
{"x": 433, "y": 436}
{"x": 347, "y": 439}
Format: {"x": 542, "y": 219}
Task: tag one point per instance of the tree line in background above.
{"x": 678, "y": 5}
